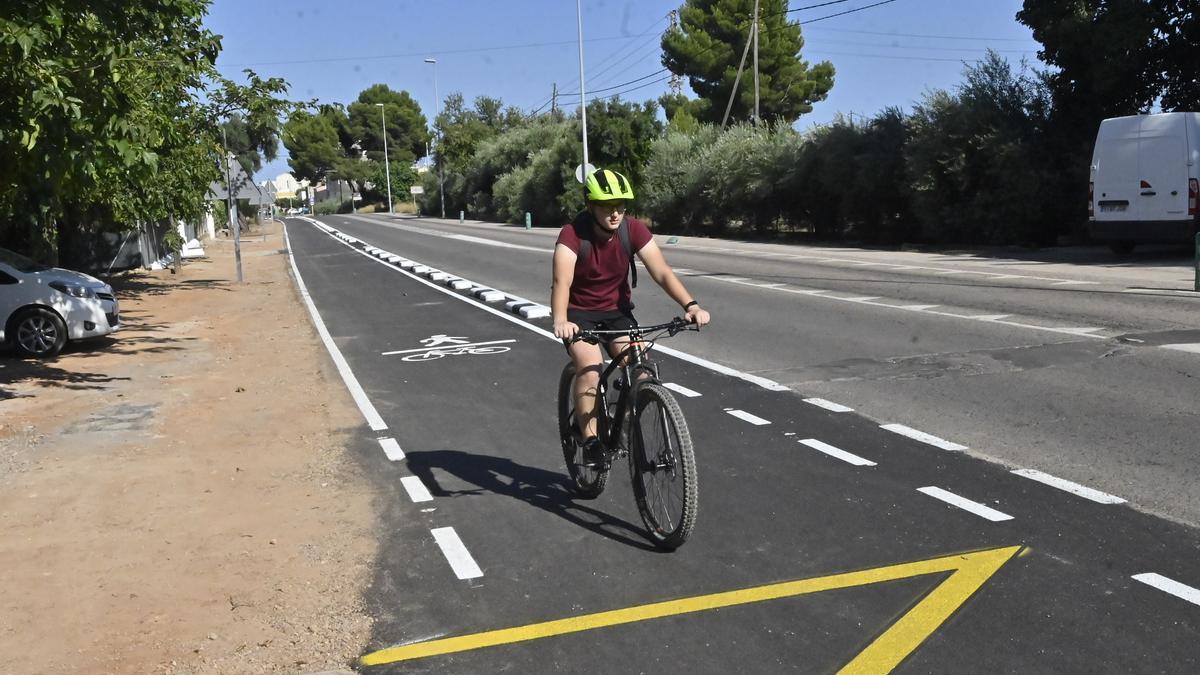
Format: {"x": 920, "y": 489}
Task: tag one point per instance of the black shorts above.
{"x": 616, "y": 319}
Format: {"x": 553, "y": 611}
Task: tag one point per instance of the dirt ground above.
{"x": 175, "y": 499}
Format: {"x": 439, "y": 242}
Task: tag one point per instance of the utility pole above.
{"x": 676, "y": 80}
{"x": 737, "y": 80}
{"x": 582, "y": 97}
{"x": 233, "y": 217}
{"x": 554, "y": 100}
{"x": 756, "y": 118}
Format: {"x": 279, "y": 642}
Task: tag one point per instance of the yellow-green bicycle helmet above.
{"x": 605, "y": 185}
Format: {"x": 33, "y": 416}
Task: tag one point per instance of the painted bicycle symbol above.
{"x": 441, "y": 346}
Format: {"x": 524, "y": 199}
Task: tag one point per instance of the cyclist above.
{"x": 591, "y": 291}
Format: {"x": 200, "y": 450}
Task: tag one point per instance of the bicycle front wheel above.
{"x": 663, "y": 466}
{"x": 589, "y": 481}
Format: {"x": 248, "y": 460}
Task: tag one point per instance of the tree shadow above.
{"x": 543, "y": 489}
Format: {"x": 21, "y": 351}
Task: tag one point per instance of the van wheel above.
{"x": 1122, "y": 247}
{"x": 38, "y": 333}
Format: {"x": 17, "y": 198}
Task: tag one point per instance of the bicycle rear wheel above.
{"x": 589, "y": 481}
{"x": 663, "y": 466}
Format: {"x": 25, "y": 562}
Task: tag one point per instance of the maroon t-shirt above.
{"x": 601, "y": 281}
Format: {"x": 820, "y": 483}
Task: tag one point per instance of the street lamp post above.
{"x": 387, "y": 166}
{"x": 437, "y": 108}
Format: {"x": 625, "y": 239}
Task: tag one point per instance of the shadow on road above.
{"x": 546, "y": 490}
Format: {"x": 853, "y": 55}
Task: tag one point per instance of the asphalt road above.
{"x": 919, "y": 557}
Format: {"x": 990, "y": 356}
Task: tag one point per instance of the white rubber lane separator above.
{"x": 828, "y": 405}
{"x": 681, "y": 390}
{"x": 416, "y": 489}
{"x": 1066, "y": 485}
{"x": 1167, "y": 585}
{"x": 356, "y": 391}
{"x": 456, "y": 553}
{"x": 747, "y": 417}
{"x": 965, "y": 504}
{"x": 1193, "y": 348}
{"x": 838, "y": 453}
{"x": 534, "y": 311}
{"x": 392, "y": 449}
{"x": 923, "y": 437}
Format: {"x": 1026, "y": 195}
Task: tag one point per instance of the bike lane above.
{"x": 478, "y": 431}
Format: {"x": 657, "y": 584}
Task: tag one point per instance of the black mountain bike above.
{"x": 644, "y": 424}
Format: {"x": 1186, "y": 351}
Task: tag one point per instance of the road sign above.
{"x": 417, "y": 190}
{"x": 579, "y": 171}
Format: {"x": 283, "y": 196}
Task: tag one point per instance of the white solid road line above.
{"x": 965, "y": 504}
{"x": 1182, "y": 591}
{"x": 456, "y": 553}
{"x": 747, "y": 417}
{"x": 1193, "y": 348}
{"x": 680, "y": 389}
{"x": 356, "y": 391}
{"x": 828, "y": 405}
{"x": 1066, "y": 485}
{"x": 416, "y": 489}
{"x": 392, "y": 449}
{"x": 838, "y": 453}
{"x": 923, "y": 437}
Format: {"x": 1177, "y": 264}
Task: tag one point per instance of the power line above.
{"x": 849, "y": 11}
{"x": 437, "y": 53}
{"x": 918, "y": 35}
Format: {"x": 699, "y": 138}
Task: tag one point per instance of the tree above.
{"x": 238, "y": 140}
{"x": 406, "y": 125}
{"x": 312, "y": 141}
{"x": 620, "y": 135}
{"x": 463, "y": 129}
{"x": 708, "y": 47}
{"x": 110, "y": 116}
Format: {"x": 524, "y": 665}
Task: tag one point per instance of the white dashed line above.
{"x": 416, "y": 489}
{"x": 747, "y": 417}
{"x": 1193, "y": 348}
{"x": 456, "y": 553}
{"x": 922, "y": 436}
{"x": 680, "y": 389}
{"x": 1066, "y": 485}
{"x": 392, "y": 449}
{"x": 828, "y": 405}
{"x": 990, "y": 317}
{"x": 837, "y": 453}
{"x": 1182, "y": 591}
{"x": 917, "y": 308}
{"x": 965, "y": 504}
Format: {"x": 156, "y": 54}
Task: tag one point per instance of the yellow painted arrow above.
{"x": 970, "y": 572}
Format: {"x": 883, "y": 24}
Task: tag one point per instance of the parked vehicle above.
{"x": 1145, "y": 180}
{"x": 42, "y": 307}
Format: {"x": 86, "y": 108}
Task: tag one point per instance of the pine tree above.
{"x": 709, "y": 44}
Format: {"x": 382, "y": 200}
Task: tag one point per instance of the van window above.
{"x": 6, "y": 278}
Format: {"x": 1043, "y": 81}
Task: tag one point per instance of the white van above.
{"x": 1145, "y": 180}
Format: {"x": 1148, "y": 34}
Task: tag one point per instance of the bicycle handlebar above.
{"x": 672, "y": 327}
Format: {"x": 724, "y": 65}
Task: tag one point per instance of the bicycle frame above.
{"x": 630, "y": 361}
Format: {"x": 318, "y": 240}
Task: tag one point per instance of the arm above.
{"x": 664, "y": 276}
{"x": 560, "y": 291}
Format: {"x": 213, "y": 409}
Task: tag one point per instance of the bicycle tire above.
{"x": 663, "y": 458}
{"x": 588, "y": 481}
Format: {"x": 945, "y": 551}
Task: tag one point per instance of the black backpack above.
{"x": 585, "y": 245}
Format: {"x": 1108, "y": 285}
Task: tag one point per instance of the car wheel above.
{"x": 38, "y": 333}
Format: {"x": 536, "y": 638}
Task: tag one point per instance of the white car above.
{"x": 43, "y": 307}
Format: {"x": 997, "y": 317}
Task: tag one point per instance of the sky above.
{"x": 515, "y": 50}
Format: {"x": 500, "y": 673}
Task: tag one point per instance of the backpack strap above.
{"x": 623, "y": 233}
{"x": 585, "y": 246}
